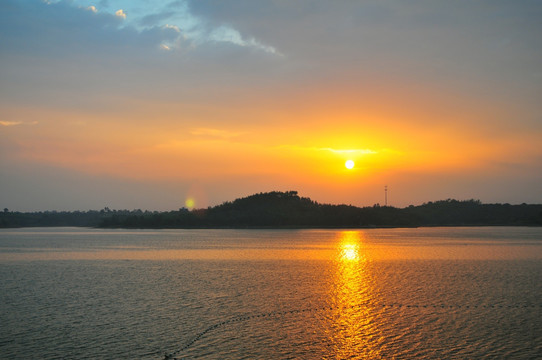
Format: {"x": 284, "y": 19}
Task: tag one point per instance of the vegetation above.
{"x": 288, "y": 209}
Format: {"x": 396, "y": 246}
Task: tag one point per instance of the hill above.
{"x": 289, "y": 210}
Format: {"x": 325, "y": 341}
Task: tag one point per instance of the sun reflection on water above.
{"x": 354, "y": 332}
{"x": 350, "y": 252}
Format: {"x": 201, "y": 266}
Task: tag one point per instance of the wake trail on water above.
{"x": 198, "y": 336}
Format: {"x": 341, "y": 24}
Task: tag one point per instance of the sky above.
{"x": 150, "y": 104}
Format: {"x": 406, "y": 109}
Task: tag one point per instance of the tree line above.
{"x": 289, "y": 210}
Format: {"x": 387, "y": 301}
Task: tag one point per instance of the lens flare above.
{"x": 190, "y": 203}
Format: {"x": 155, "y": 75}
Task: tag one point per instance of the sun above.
{"x": 349, "y": 164}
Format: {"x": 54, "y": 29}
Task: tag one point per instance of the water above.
{"x": 432, "y": 293}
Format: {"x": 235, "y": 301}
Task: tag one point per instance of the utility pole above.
{"x": 385, "y": 195}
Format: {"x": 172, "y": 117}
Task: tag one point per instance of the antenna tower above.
{"x": 385, "y": 195}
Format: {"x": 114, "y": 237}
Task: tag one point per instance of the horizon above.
{"x": 191, "y": 208}
{"x": 128, "y": 105}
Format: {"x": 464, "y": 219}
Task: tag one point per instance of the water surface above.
{"x": 427, "y": 293}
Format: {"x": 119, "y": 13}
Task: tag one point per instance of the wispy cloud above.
{"x": 228, "y": 34}
{"x": 10, "y": 123}
{"x": 15, "y": 123}
{"x": 215, "y": 133}
{"x": 197, "y": 28}
{"x": 350, "y": 151}
{"x": 173, "y": 27}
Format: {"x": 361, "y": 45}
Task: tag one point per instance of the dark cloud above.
{"x": 486, "y": 49}
{"x": 486, "y": 46}
{"x": 457, "y": 34}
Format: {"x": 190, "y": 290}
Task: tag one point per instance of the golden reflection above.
{"x": 350, "y": 252}
{"x": 354, "y": 333}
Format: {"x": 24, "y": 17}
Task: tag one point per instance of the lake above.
{"x": 425, "y": 293}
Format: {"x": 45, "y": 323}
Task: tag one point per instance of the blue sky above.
{"x": 174, "y": 15}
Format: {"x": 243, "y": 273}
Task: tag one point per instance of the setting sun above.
{"x": 305, "y": 180}
{"x": 239, "y": 109}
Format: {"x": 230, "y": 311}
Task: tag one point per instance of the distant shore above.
{"x": 287, "y": 210}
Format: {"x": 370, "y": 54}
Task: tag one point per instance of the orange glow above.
{"x": 240, "y": 109}
{"x": 350, "y": 246}
{"x": 354, "y": 330}
{"x": 127, "y": 145}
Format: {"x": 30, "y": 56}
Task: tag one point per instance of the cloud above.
{"x": 350, "y": 151}
{"x": 120, "y": 13}
{"x": 15, "y": 123}
{"x": 228, "y": 34}
{"x": 61, "y": 31}
{"x": 364, "y": 36}
{"x": 144, "y": 17}
{"x": 173, "y": 27}
{"x": 64, "y": 55}
{"x": 10, "y": 123}
{"x": 155, "y": 19}
{"x": 356, "y": 76}
{"x": 177, "y": 15}
{"x": 214, "y": 133}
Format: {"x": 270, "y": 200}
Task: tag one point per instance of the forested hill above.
{"x": 288, "y": 209}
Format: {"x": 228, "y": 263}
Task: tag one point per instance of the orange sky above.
{"x": 123, "y": 122}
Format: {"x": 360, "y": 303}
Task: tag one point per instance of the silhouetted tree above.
{"x": 288, "y": 209}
